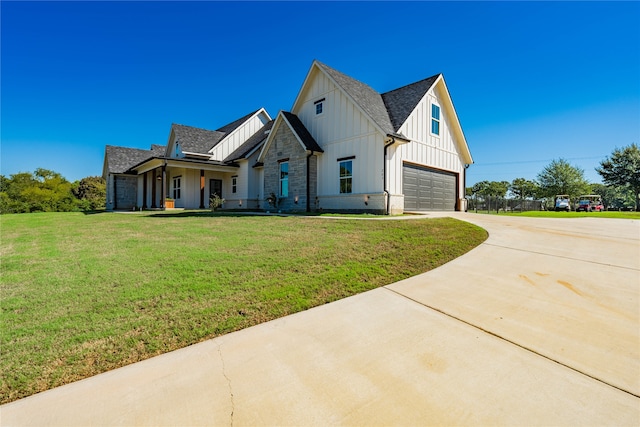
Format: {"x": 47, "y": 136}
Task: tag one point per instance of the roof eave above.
{"x": 457, "y": 128}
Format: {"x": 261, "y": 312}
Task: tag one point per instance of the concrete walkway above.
{"x": 539, "y": 325}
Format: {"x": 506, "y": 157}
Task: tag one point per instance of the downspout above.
{"x": 464, "y": 185}
{"x": 384, "y": 178}
{"x": 308, "y": 184}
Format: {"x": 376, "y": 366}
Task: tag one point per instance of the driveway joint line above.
{"x": 509, "y": 341}
{"x": 561, "y": 256}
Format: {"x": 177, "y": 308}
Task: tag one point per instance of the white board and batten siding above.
{"x": 236, "y": 138}
{"x": 342, "y": 130}
{"x": 438, "y": 152}
{"x": 249, "y": 188}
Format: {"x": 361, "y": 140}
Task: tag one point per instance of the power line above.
{"x": 534, "y": 161}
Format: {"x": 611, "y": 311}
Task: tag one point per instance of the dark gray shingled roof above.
{"x": 251, "y": 143}
{"x": 302, "y": 132}
{"x": 158, "y": 150}
{"x": 121, "y": 159}
{"x": 402, "y": 101}
{"x": 196, "y": 140}
{"x": 235, "y": 124}
{"x": 367, "y": 98}
{"x": 389, "y": 110}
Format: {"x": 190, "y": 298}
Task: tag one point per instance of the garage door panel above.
{"x": 428, "y": 189}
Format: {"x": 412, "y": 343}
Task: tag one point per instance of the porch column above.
{"x": 153, "y": 191}
{"x": 201, "y": 188}
{"x": 144, "y": 191}
{"x": 164, "y": 186}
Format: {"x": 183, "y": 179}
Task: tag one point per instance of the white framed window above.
{"x": 435, "y": 119}
{"x": 176, "y": 187}
{"x": 319, "y": 106}
{"x": 234, "y": 184}
{"x": 284, "y": 179}
{"x": 346, "y": 176}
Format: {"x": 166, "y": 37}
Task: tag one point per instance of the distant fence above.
{"x": 505, "y": 205}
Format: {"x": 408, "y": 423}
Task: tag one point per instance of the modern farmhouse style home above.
{"x": 342, "y": 147}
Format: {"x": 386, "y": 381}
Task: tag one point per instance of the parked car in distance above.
{"x": 590, "y": 203}
{"x": 563, "y": 203}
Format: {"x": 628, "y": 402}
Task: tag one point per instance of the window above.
{"x": 176, "y": 187}
{"x": 319, "y": 106}
{"x": 346, "y": 176}
{"x": 435, "y": 119}
{"x": 234, "y": 184}
{"x": 284, "y": 179}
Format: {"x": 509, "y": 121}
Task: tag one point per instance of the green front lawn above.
{"x": 84, "y": 294}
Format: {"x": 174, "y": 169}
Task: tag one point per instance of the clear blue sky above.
{"x": 531, "y": 82}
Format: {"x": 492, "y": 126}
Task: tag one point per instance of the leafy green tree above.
{"x": 479, "y": 188}
{"x": 4, "y": 184}
{"x": 43, "y": 191}
{"x": 497, "y": 189}
{"x": 522, "y": 189}
{"x": 614, "y": 197}
{"x": 559, "y": 177}
{"x": 91, "y": 193}
{"x": 12, "y": 200}
{"x": 622, "y": 169}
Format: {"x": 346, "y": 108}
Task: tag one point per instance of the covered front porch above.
{"x": 182, "y": 183}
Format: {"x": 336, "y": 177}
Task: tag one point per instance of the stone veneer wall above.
{"x": 126, "y": 188}
{"x": 286, "y": 146}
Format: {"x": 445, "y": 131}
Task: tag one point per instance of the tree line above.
{"x": 620, "y": 173}
{"x": 48, "y": 191}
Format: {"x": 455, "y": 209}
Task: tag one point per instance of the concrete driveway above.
{"x": 539, "y": 325}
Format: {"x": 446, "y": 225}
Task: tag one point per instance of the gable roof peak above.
{"x": 402, "y": 101}
{"x": 368, "y": 99}
{"x": 230, "y": 127}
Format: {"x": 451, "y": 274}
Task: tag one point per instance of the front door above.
{"x": 215, "y": 187}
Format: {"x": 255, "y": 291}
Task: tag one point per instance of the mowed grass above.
{"x": 84, "y": 294}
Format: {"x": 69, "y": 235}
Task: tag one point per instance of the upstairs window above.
{"x": 346, "y": 176}
{"x": 435, "y": 119}
{"x": 176, "y": 187}
{"x": 319, "y": 104}
{"x": 284, "y": 179}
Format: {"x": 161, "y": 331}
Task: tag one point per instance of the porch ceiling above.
{"x": 207, "y": 165}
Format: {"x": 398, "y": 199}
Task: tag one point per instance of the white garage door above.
{"x": 428, "y": 189}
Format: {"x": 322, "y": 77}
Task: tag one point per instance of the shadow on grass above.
{"x": 206, "y": 214}
{"x": 96, "y": 212}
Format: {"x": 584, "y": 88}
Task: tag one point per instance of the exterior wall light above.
{"x": 295, "y": 200}
{"x": 366, "y": 200}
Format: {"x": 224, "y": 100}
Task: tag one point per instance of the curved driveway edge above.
{"x": 539, "y": 325}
